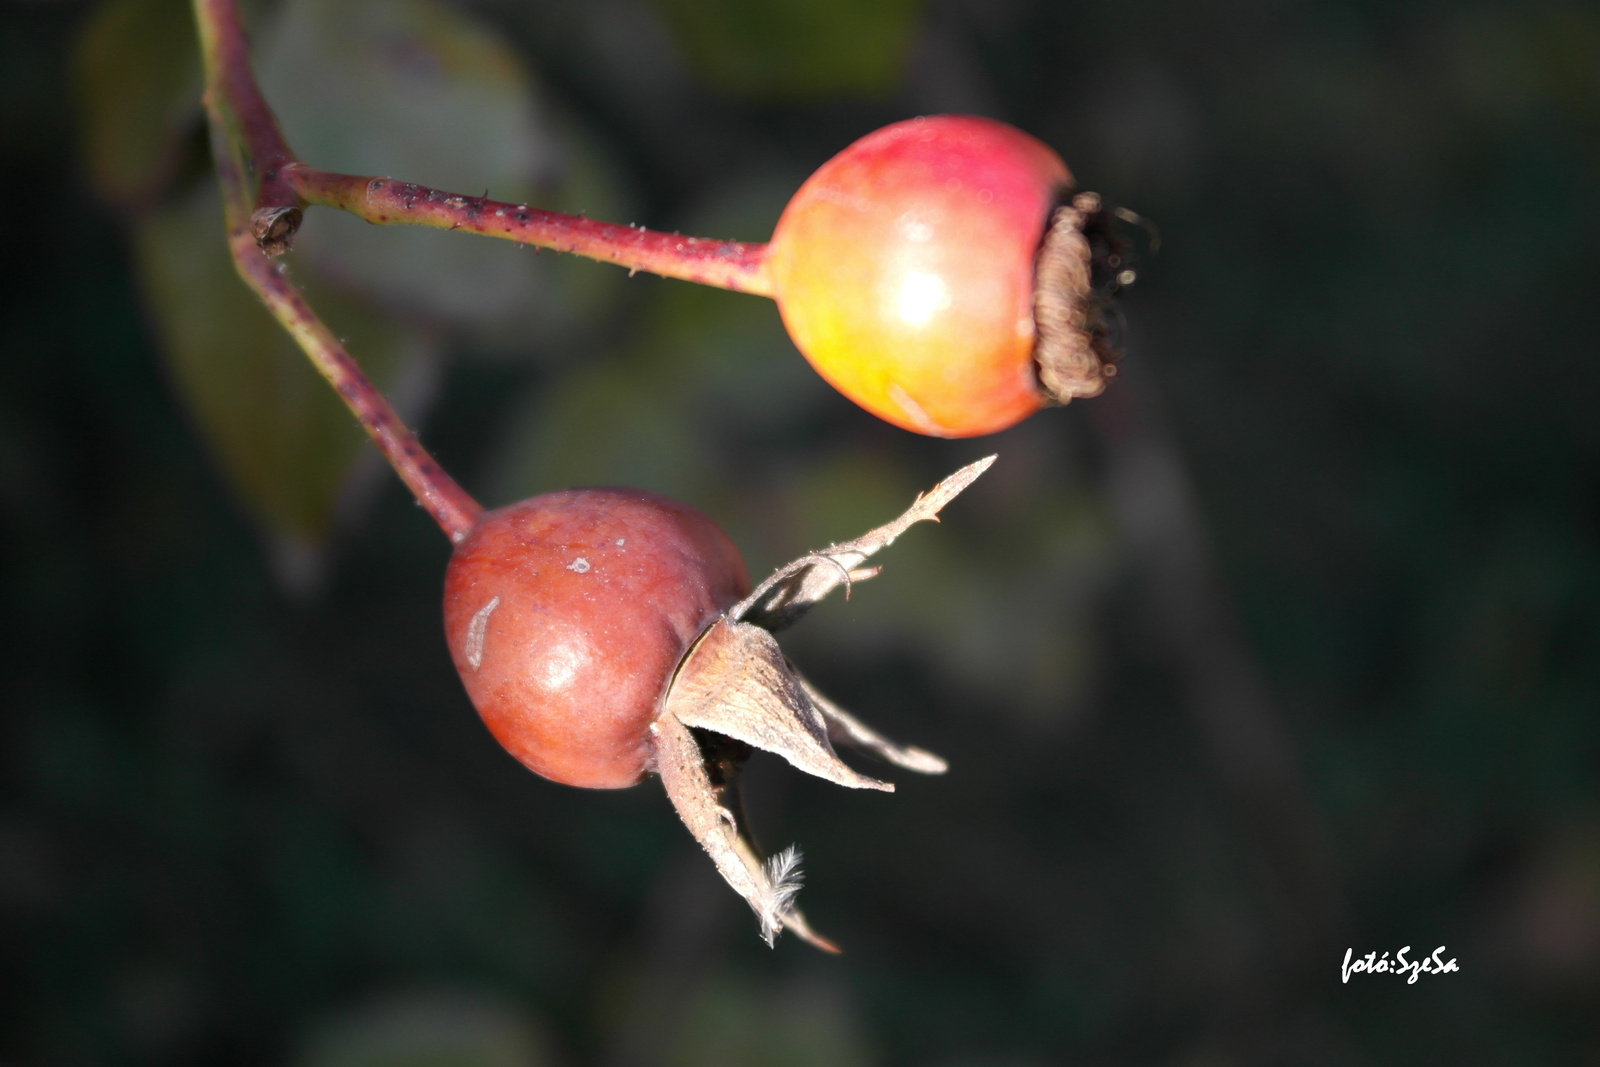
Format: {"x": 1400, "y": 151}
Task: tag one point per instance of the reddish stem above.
{"x": 735, "y": 265}
{"x": 229, "y": 75}
{"x": 245, "y": 137}
{"x": 285, "y": 182}
{"x": 450, "y": 505}
{"x": 249, "y": 147}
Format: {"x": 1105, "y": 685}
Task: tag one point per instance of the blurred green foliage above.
{"x": 796, "y": 49}
{"x": 138, "y": 74}
{"x": 285, "y": 439}
{"x": 417, "y": 89}
{"x": 245, "y": 820}
{"x": 414, "y": 88}
{"x": 429, "y": 1028}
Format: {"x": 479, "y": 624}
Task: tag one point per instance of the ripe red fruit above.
{"x": 606, "y": 633}
{"x": 567, "y": 614}
{"x": 905, "y": 271}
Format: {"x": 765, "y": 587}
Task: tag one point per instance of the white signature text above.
{"x": 1372, "y": 963}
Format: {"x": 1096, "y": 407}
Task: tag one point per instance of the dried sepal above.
{"x": 768, "y": 887}
{"x": 1074, "y": 354}
{"x": 736, "y": 682}
{"x": 782, "y": 872}
{"x": 736, "y": 686}
{"x": 792, "y": 589}
{"x": 845, "y": 729}
{"x": 682, "y": 767}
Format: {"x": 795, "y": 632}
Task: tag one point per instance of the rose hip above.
{"x": 567, "y": 614}
{"x": 906, "y": 270}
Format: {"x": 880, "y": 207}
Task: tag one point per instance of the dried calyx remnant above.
{"x": 1080, "y": 267}
{"x": 274, "y": 228}
{"x": 735, "y": 690}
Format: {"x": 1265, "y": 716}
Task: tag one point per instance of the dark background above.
{"x": 1288, "y": 644}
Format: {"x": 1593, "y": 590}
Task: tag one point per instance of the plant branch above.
{"x": 736, "y": 265}
{"x": 286, "y": 185}
{"x": 231, "y": 89}
{"x": 246, "y": 142}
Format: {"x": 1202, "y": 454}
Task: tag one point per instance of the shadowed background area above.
{"x": 1289, "y": 644}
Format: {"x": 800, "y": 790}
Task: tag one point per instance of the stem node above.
{"x": 275, "y": 227}
{"x": 245, "y": 139}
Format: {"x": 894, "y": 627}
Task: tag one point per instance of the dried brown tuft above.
{"x": 1073, "y": 352}
{"x": 275, "y": 227}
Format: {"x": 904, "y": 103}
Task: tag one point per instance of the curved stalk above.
{"x": 287, "y": 184}
{"x": 246, "y": 142}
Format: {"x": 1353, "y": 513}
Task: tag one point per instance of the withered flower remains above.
{"x": 736, "y": 686}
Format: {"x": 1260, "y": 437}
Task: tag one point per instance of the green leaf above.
{"x": 417, "y": 90}
{"x": 796, "y": 49}
{"x": 283, "y": 438}
{"x": 137, "y": 74}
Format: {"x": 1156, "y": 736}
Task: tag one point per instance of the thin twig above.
{"x": 287, "y": 184}
{"x": 245, "y": 141}
{"x": 736, "y": 265}
{"x": 231, "y": 86}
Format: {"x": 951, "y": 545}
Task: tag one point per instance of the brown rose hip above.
{"x": 604, "y": 634}
{"x": 567, "y": 614}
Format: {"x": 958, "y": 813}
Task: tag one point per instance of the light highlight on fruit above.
{"x": 904, "y": 269}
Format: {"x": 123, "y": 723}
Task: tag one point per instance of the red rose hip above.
{"x": 567, "y": 614}
{"x": 908, "y": 271}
